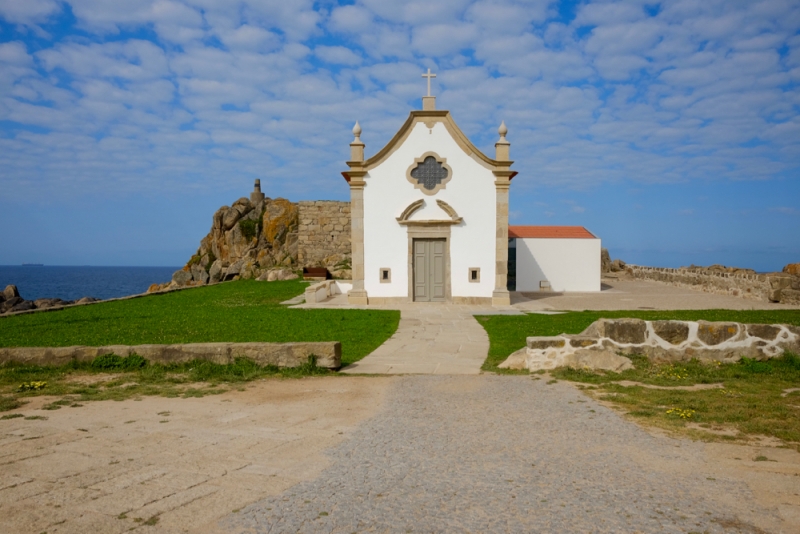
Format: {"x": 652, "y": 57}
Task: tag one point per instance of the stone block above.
{"x": 763, "y": 331}
{"x": 597, "y": 359}
{"x": 622, "y": 330}
{"x": 674, "y": 332}
{"x": 790, "y": 296}
{"x": 545, "y": 342}
{"x": 582, "y": 341}
{"x": 716, "y": 333}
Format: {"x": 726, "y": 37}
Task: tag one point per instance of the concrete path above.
{"x": 446, "y": 338}
{"x": 432, "y": 339}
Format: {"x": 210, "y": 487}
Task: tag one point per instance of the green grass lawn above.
{"x": 507, "y": 333}
{"x": 242, "y": 311}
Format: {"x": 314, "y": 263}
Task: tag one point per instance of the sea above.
{"x": 75, "y": 282}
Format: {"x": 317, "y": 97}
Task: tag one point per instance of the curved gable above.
{"x": 430, "y": 118}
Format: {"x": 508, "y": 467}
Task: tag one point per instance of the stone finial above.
{"x": 256, "y": 196}
{"x": 502, "y": 146}
{"x": 357, "y": 147}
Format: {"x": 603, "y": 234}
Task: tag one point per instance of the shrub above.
{"x": 249, "y": 228}
{"x": 112, "y": 362}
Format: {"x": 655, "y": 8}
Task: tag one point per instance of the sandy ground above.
{"x": 110, "y": 466}
{"x": 195, "y": 463}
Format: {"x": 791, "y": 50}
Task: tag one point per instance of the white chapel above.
{"x": 429, "y": 217}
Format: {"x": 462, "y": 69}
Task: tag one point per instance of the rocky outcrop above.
{"x": 251, "y": 239}
{"x": 269, "y": 239}
{"x": 12, "y": 302}
{"x": 604, "y": 344}
{"x": 609, "y": 266}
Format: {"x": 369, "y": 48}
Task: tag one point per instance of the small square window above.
{"x": 544, "y": 285}
{"x": 385, "y": 275}
{"x": 474, "y": 275}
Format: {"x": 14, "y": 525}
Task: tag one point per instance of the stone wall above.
{"x": 600, "y": 346}
{"x": 773, "y": 287}
{"x": 328, "y": 353}
{"x": 323, "y": 238}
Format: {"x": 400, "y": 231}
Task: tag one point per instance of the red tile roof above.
{"x": 569, "y": 232}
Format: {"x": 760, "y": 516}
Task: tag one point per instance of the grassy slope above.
{"x": 507, "y": 333}
{"x": 234, "y": 311}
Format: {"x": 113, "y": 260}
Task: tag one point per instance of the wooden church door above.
{"x": 429, "y": 270}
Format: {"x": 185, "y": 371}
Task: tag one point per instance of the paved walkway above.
{"x": 512, "y": 454}
{"x": 432, "y": 339}
{"x": 440, "y": 338}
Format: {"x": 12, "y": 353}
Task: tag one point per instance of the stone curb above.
{"x": 328, "y": 353}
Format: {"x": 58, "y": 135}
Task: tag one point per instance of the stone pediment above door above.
{"x": 405, "y": 217}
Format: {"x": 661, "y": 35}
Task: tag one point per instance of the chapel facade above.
{"x": 429, "y": 215}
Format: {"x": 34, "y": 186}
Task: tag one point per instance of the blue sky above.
{"x": 671, "y": 130}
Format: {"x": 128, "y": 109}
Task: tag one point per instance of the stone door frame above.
{"x": 429, "y": 232}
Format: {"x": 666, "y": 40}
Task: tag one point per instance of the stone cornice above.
{"x": 430, "y": 118}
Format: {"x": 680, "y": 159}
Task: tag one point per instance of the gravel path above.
{"x": 502, "y": 454}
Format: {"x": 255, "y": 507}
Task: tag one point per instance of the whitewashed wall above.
{"x": 568, "y": 264}
{"x": 471, "y": 192}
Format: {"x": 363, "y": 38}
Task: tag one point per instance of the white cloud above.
{"x": 338, "y": 55}
{"x": 269, "y": 89}
{"x": 28, "y": 12}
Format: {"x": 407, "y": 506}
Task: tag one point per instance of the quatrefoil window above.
{"x": 429, "y": 173}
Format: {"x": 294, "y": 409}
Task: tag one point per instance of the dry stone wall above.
{"x": 602, "y": 344}
{"x": 324, "y": 236}
{"x": 774, "y": 287}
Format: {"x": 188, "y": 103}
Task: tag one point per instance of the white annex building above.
{"x": 430, "y": 221}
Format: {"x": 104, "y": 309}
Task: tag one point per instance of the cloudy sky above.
{"x": 671, "y": 130}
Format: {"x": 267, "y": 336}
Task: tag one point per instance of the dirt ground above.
{"x": 179, "y": 463}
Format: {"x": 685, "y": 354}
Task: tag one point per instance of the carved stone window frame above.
{"x": 441, "y": 161}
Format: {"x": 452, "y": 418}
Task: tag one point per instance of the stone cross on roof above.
{"x": 429, "y": 76}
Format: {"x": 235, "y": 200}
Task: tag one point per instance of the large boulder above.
{"x": 10, "y": 292}
{"x": 50, "y": 303}
{"x": 182, "y": 277}
{"x": 604, "y": 360}
{"x": 605, "y": 260}
{"x": 8, "y": 304}
{"x": 792, "y": 268}
{"x": 25, "y": 305}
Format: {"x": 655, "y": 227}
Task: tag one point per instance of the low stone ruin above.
{"x": 12, "y": 302}
{"x": 605, "y": 342}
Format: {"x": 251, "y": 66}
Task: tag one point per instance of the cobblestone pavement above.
{"x": 504, "y": 454}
